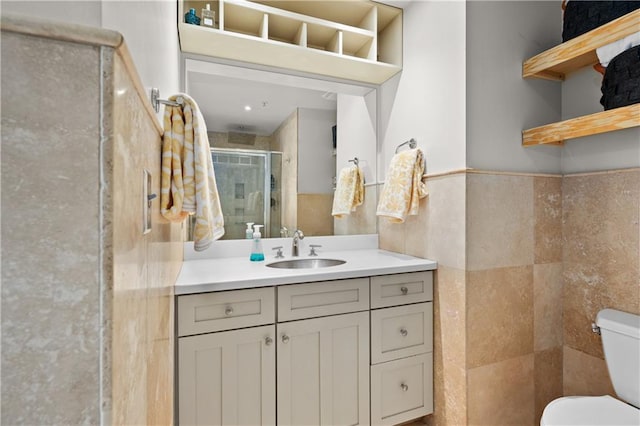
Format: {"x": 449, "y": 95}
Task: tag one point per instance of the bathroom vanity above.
{"x": 345, "y": 344}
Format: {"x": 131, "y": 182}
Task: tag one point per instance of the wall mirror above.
{"x": 278, "y": 141}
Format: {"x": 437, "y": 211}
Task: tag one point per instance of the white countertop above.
{"x": 229, "y": 273}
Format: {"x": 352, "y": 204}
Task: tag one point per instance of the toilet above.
{"x": 621, "y": 342}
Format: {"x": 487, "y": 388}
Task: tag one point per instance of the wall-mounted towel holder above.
{"x": 156, "y": 101}
{"x": 411, "y": 142}
{"x": 355, "y": 161}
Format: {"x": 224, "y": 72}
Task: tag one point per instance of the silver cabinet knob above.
{"x": 285, "y": 338}
{"x": 228, "y": 311}
{"x": 404, "y": 387}
{"x": 404, "y": 290}
{"x": 268, "y": 341}
{"x": 404, "y": 332}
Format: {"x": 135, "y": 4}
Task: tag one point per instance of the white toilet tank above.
{"x": 621, "y": 342}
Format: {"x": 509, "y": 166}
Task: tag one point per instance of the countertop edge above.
{"x": 306, "y": 276}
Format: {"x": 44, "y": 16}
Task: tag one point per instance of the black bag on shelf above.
{"x": 581, "y": 16}
{"x": 621, "y": 82}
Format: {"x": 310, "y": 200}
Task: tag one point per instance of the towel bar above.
{"x": 411, "y": 142}
{"x": 355, "y": 161}
{"x": 156, "y": 101}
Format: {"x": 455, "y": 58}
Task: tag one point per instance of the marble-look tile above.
{"x": 221, "y": 140}
{"x": 50, "y": 295}
{"x": 547, "y": 306}
{"x": 391, "y": 235}
{"x": 502, "y": 393}
{"x": 145, "y": 269}
{"x": 361, "y": 221}
{"x": 601, "y": 251}
{"x": 499, "y": 228}
{"x": 547, "y": 216}
{"x": 449, "y": 348}
{"x": 314, "y": 214}
{"x": 438, "y": 232}
{"x": 584, "y": 374}
{"x": 547, "y": 378}
{"x": 499, "y": 314}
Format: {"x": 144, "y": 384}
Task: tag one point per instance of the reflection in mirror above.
{"x": 278, "y": 142}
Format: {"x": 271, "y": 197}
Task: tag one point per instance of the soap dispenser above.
{"x": 248, "y": 234}
{"x": 257, "y": 254}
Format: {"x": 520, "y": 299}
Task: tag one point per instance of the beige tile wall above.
{"x": 498, "y": 336}
{"x": 601, "y": 252}
{"x": 314, "y": 214}
{"x": 145, "y": 267}
{"x": 285, "y": 140}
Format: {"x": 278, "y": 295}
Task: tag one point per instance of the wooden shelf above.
{"x": 555, "y": 63}
{"x": 592, "y": 124}
{"x": 279, "y": 34}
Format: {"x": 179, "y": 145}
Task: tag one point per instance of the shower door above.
{"x": 247, "y": 189}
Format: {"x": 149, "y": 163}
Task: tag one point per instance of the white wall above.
{"x": 149, "y": 29}
{"x": 357, "y": 133}
{"x": 427, "y": 100}
{"x": 316, "y": 162}
{"x": 581, "y": 95}
{"x": 500, "y": 103}
{"x": 77, "y": 12}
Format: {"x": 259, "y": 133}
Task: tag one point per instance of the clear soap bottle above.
{"x": 248, "y": 233}
{"x": 257, "y": 253}
{"x": 208, "y": 17}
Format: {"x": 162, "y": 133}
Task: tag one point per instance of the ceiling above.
{"x": 223, "y": 99}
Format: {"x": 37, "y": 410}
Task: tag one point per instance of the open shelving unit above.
{"x": 352, "y": 39}
{"x": 557, "y": 62}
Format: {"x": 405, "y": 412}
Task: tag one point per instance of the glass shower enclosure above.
{"x": 249, "y": 183}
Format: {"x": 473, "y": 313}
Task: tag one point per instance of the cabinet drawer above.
{"x": 401, "y": 289}
{"x": 402, "y": 390}
{"x": 401, "y": 331}
{"x": 225, "y": 310}
{"x": 323, "y": 298}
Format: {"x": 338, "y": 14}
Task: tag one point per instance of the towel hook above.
{"x": 411, "y": 142}
{"x": 355, "y": 161}
{"x": 156, "y": 101}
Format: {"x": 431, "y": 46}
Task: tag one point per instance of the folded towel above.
{"x": 349, "y": 191}
{"x": 609, "y": 51}
{"x": 403, "y": 187}
{"x": 188, "y": 184}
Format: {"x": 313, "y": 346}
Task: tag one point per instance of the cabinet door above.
{"x": 228, "y": 378}
{"x": 323, "y": 371}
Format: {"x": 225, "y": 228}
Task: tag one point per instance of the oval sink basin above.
{"x": 305, "y": 263}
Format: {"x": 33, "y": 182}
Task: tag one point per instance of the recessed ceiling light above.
{"x": 247, "y": 107}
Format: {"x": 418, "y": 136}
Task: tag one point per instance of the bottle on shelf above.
{"x": 191, "y": 18}
{"x": 208, "y": 17}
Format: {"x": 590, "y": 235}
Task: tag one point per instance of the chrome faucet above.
{"x": 297, "y": 236}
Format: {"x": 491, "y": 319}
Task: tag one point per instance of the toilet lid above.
{"x": 589, "y": 410}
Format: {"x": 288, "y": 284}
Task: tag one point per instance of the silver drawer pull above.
{"x": 404, "y": 290}
{"x": 228, "y": 311}
{"x": 404, "y": 387}
{"x": 285, "y": 338}
{"x": 268, "y": 341}
{"x": 404, "y": 332}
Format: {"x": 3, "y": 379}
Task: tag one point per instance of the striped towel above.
{"x": 349, "y": 191}
{"x": 403, "y": 187}
{"x": 188, "y": 183}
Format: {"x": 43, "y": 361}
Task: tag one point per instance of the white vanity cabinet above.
{"x": 227, "y": 377}
{"x": 401, "y": 347}
{"x": 323, "y": 363}
{"x": 348, "y": 351}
